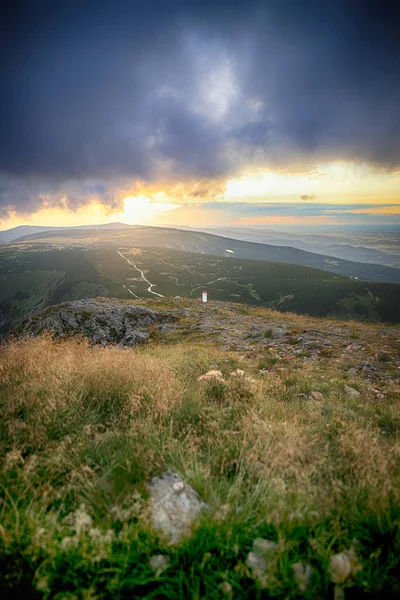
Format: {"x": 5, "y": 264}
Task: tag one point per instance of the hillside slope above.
{"x": 353, "y": 246}
{"x": 205, "y": 243}
{"x": 286, "y": 426}
{"x": 33, "y": 277}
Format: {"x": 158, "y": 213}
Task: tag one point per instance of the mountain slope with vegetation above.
{"x": 206, "y": 243}
{"x": 33, "y": 277}
{"x": 287, "y": 426}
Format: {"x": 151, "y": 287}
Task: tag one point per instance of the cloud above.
{"x": 190, "y": 89}
{"x": 296, "y": 209}
{"x": 29, "y": 195}
{"x": 284, "y": 213}
{"x": 307, "y": 197}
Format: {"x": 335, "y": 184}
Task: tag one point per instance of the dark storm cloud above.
{"x": 192, "y": 89}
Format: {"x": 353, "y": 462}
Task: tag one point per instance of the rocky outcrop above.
{"x": 101, "y": 321}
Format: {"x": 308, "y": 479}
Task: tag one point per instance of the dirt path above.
{"x": 151, "y": 285}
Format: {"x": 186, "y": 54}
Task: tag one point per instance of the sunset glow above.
{"x": 219, "y": 120}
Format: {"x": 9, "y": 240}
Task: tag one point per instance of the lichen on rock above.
{"x": 102, "y": 322}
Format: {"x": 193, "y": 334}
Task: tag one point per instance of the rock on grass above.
{"x": 175, "y": 506}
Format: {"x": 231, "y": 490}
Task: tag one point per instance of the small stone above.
{"x": 339, "y": 567}
{"x": 158, "y": 562}
{"x": 353, "y": 393}
{"x": 317, "y": 396}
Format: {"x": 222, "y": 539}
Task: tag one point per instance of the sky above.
{"x": 200, "y": 112}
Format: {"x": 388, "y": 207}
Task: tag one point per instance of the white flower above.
{"x": 213, "y": 376}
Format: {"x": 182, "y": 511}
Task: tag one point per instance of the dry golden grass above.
{"x": 90, "y": 425}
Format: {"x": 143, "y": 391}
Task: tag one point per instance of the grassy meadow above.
{"x": 84, "y": 428}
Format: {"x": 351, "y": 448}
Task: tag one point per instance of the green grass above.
{"x": 84, "y": 429}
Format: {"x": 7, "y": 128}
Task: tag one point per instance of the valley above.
{"x": 34, "y": 275}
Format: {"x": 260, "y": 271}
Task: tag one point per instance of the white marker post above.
{"x": 204, "y": 297}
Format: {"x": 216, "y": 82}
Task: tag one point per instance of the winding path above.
{"x": 207, "y": 283}
{"x": 142, "y": 276}
{"x": 219, "y": 279}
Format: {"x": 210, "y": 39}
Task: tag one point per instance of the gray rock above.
{"x": 367, "y": 365}
{"x": 175, "y": 506}
{"x": 103, "y": 322}
{"x": 368, "y": 369}
{"x": 351, "y": 392}
{"x": 277, "y": 332}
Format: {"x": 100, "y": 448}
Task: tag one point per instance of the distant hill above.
{"x": 15, "y": 233}
{"x": 350, "y": 247}
{"x": 207, "y": 243}
{"x": 9, "y": 235}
